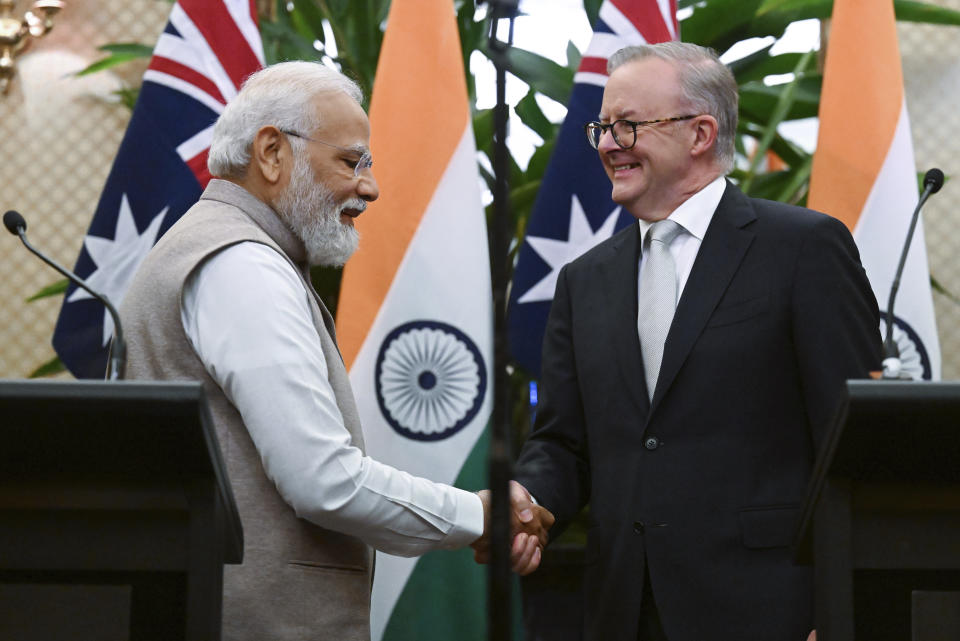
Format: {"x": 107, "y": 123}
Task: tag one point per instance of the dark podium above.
{"x": 881, "y": 521}
{"x": 116, "y": 513}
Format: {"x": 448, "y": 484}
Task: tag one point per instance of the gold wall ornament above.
{"x": 16, "y": 34}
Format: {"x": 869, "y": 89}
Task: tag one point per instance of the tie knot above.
{"x": 664, "y": 231}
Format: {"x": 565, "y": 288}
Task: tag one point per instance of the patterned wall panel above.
{"x": 931, "y": 69}
{"x": 58, "y": 137}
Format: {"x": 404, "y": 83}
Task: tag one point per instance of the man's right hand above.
{"x": 529, "y": 524}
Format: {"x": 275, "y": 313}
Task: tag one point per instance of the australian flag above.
{"x": 202, "y": 57}
{"x": 573, "y": 211}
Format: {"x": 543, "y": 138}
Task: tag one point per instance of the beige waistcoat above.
{"x": 298, "y": 581}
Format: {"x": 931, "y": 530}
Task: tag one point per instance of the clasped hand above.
{"x": 529, "y": 525}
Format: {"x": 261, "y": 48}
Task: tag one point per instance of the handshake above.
{"x": 529, "y": 524}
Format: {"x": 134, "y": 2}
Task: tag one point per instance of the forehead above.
{"x": 645, "y": 88}
{"x": 342, "y": 120}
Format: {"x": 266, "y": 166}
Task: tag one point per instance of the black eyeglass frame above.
{"x": 595, "y": 125}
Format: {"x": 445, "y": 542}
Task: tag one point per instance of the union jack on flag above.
{"x": 573, "y": 211}
{"x": 202, "y": 57}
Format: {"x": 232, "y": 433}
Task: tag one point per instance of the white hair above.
{"x": 279, "y": 95}
{"x": 708, "y": 86}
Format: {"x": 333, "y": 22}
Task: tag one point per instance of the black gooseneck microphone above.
{"x": 932, "y": 182}
{"x": 116, "y": 369}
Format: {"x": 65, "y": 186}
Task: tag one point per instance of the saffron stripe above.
{"x": 437, "y": 95}
{"x": 859, "y": 108}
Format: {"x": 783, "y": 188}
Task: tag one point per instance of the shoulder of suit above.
{"x": 606, "y": 249}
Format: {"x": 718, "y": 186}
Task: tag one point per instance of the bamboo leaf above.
{"x": 54, "y": 289}
{"x": 119, "y": 53}
{"x": 938, "y": 287}
{"x": 51, "y": 367}
{"x": 909, "y": 11}
{"x": 128, "y": 48}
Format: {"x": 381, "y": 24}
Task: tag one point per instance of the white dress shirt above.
{"x": 246, "y": 314}
{"x": 694, "y": 215}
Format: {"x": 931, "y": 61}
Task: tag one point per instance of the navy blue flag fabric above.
{"x": 206, "y": 51}
{"x": 573, "y": 211}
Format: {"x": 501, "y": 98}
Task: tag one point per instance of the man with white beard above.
{"x": 225, "y": 298}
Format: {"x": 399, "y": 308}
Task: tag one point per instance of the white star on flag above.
{"x": 117, "y": 260}
{"x": 557, "y": 253}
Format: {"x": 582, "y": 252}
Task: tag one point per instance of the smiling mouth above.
{"x": 625, "y": 167}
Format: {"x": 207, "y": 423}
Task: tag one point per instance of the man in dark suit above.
{"x": 692, "y": 433}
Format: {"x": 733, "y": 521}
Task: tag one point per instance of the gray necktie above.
{"x": 657, "y": 295}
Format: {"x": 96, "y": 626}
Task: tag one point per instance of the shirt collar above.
{"x": 695, "y": 213}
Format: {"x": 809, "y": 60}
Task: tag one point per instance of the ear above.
{"x": 705, "y": 135}
{"x": 269, "y": 153}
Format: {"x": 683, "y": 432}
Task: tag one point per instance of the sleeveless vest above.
{"x": 298, "y": 581}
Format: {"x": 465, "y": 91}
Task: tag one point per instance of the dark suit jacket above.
{"x": 704, "y": 483}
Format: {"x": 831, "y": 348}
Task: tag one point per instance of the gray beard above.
{"x": 308, "y": 208}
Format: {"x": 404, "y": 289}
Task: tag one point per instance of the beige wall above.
{"x": 58, "y": 136}
{"x": 931, "y": 70}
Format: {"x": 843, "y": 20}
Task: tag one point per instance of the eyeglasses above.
{"x": 624, "y": 131}
{"x": 363, "y": 163}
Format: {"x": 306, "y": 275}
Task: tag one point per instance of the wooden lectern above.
{"x": 115, "y": 502}
{"x": 881, "y": 520}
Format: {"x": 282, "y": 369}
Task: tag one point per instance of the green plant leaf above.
{"x": 784, "y": 105}
{"x": 119, "y": 53}
{"x": 719, "y": 23}
{"x": 54, "y": 289}
{"x": 310, "y": 18}
{"x": 128, "y": 96}
{"x": 532, "y": 116}
{"x": 938, "y": 287}
{"x": 910, "y": 11}
{"x": 573, "y": 57}
{"x": 552, "y": 80}
{"x": 757, "y": 101}
{"x": 50, "y": 368}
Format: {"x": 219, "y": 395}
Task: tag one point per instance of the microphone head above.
{"x": 933, "y": 179}
{"x": 15, "y": 223}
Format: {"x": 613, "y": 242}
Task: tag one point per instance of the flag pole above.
{"x": 500, "y": 628}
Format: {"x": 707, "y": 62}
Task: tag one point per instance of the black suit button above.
{"x": 652, "y": 443}
{"x": 638, "y": 527}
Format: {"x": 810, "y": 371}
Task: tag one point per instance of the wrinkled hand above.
{"x": 529, "y": 524}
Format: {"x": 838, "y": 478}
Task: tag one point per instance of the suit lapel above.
{"x": 724, "y": 246}
{"x": 619, "y": 275}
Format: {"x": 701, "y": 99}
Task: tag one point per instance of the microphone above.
{"x": 932, "y": 182}
{"x": 116, "y": 369}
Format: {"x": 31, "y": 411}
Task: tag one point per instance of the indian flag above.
{"x": 864, "y": 172}
{"x": 415, "y": 314}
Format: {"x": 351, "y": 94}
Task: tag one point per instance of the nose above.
{"x": 367, "y": 187}
{"x": 607, "y": 143}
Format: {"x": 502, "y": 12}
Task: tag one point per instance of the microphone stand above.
{"x": 500, "y": 459}
{"x": 892, "y": 366}
{"x": 116, "y": 368}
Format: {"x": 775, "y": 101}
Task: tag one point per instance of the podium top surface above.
{"x": 102, "y": 432}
